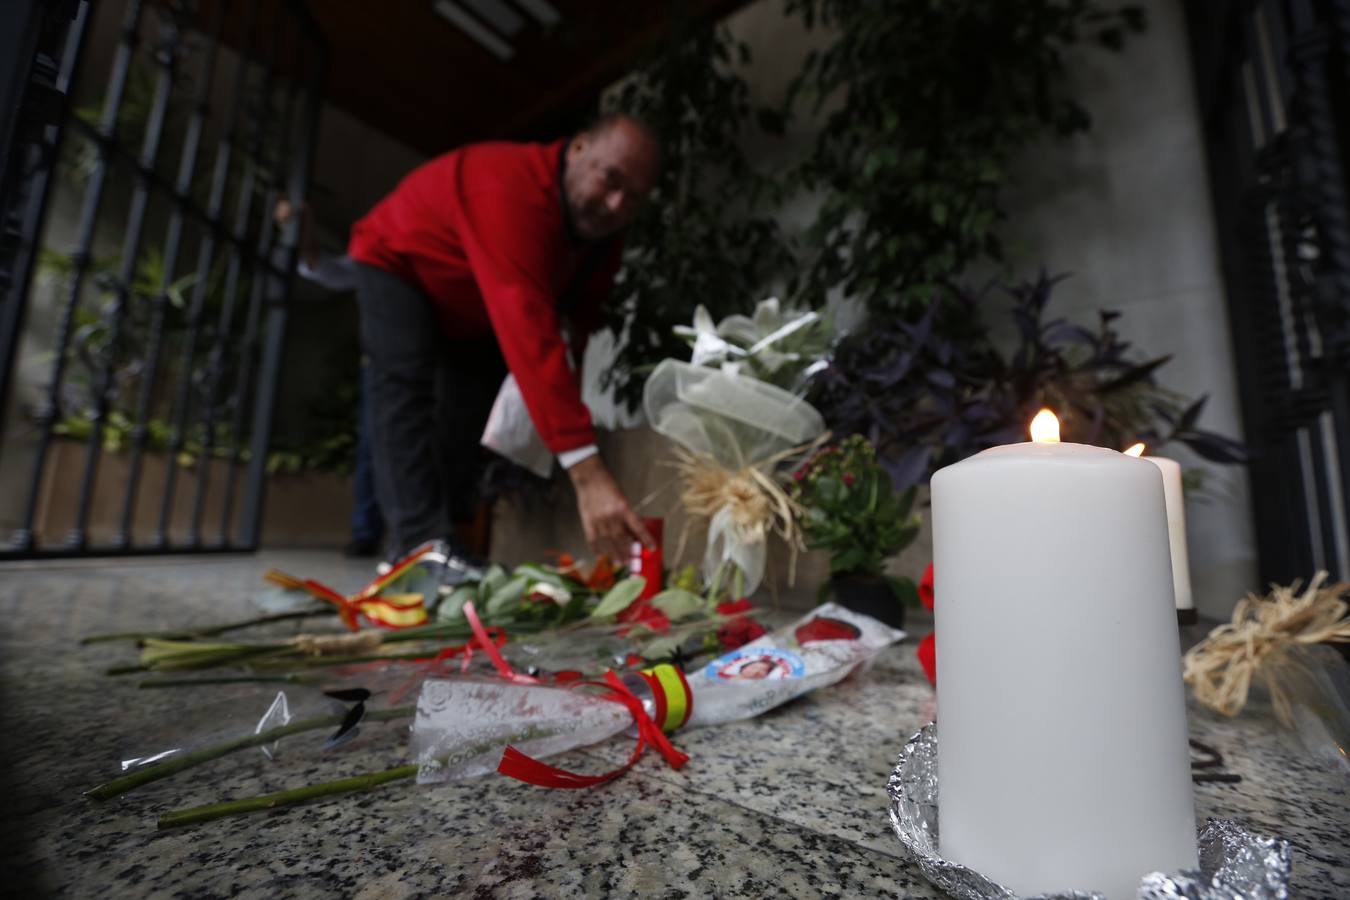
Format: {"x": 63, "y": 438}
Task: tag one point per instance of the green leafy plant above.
{"x": 852, "y": 512}
{"x": 933, "y": 388}
{"x": 926, "y": 106}
{"x": 708, "y": 233}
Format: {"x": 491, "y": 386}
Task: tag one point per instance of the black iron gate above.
{"x": 144, "y": 282}
{"x": 1274, "y": 87}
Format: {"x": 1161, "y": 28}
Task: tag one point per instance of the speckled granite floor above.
{"x": 790, "y": 804}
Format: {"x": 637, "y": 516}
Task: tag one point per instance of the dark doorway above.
{"x": 1273, "y": 79}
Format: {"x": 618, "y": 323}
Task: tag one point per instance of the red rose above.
{"x": 826, "y": 629}
{"x": 738, "y": 633}
{"x": 926, "y": 587}
{"x": 927, "y": 654}
{"x": 640, "y": 612}
{"x": 731, "y": 608}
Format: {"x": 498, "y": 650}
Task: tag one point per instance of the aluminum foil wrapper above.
{"x": 1234, "y": 862}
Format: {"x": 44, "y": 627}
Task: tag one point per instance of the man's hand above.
{"x": 611, "y": 525}
{"x": 282, "y": 214}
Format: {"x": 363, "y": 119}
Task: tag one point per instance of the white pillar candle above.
{"x": 1176, "y": 525}
{"x": 1062, "y": 746}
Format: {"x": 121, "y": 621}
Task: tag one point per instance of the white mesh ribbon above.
{"x": 737, "y": 429}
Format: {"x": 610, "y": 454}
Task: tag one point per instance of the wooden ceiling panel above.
{"x": 402, "y": 68}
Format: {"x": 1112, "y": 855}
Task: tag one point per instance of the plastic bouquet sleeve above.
{"x": 465, "y": 726}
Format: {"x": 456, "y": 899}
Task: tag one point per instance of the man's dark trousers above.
{"x": 429, "y": 399}
{"x": 367, "y": 522}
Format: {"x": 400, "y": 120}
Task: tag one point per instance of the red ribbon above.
{"x": 522, "y": 767}
{"x": 498, "y": 661}
{"x": 489, "y": 638}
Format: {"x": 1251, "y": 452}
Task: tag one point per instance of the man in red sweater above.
{"x": 490, "y": 257}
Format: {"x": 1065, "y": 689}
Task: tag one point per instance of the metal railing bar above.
{"x": 172, "y": 244}
{"x": 206, "y": 252}
{"x": 247, "y": 351}
{"x": 219, "y": 348}
{"x": 35, "y": 213}
{"x": 301, "y": 170}
{"x": 50, "y": 411}
{"x": 122, "y": 295}
{"x": 212, "y": 225}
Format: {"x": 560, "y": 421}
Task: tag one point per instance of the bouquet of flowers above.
{"x": 776, "y": 346}
{"x": 466, "y": 725}
{"x": 735, "y": 429}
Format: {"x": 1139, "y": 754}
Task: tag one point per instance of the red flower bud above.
{"x": 927, "y": 654}
{"x": 738, "y": 633}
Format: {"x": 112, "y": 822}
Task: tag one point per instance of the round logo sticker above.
{"x": 757, "y": 664}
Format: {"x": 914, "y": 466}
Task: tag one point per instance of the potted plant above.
{"x": 850, "y": 509}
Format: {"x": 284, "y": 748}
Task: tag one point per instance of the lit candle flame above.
{"x": 1136, "y": 451}
{"x": 1045, "y": 428}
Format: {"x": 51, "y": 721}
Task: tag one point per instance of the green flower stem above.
{"x": 198, "y": 814}
{"x": 189, "y": 633}
{"x": 201, "y": 659}
{"x": 287, "y": 663}
{"x": 176, "y": 764}
{"x": 287, "y": 678}
{"x": 282, "y": 656}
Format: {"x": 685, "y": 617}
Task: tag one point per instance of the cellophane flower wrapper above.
{"x": 464, "y": 724}
{"x": 734, "y": 422}
{"x": 1313, "y": 683}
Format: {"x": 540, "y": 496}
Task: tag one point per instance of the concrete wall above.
{"x": 1126, "y": 209}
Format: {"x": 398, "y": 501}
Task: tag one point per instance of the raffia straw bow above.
{"x": 759, "y": 504}
{"x": 1220, "y": 668}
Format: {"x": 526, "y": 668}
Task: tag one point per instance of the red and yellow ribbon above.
{"x": 391, "y": 611}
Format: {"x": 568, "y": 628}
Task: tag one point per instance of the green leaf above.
{"x": 829, "y": 488}
{"x": 536, "y": 573}
{"x": 451, "y": 608}
{"x": 905, "y": 537}
{"x": 494, "y": 578}
{"x": 618, "y": 598}
{"x": 661, "y": 648}
{"x": 508, "y": 594}
{"x": 906, "y": 503}
{"x": 678, "y": 604}
{"x": 904, "y": 589}
{"x": 852, "y": 559}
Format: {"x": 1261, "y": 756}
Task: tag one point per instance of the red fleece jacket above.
{"x": 481, "y": 231}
